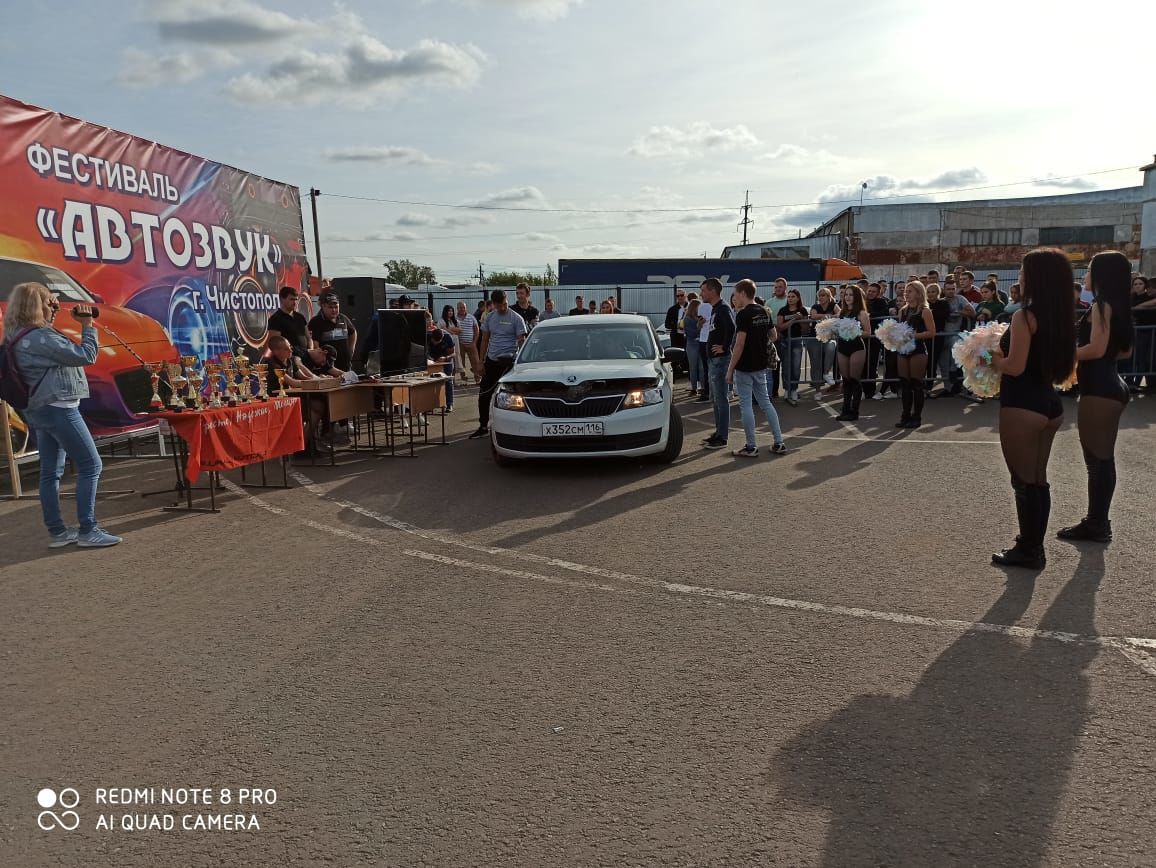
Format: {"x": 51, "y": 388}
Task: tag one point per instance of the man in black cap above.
{"x": 332, "y": 328}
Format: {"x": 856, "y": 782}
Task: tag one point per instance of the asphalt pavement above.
{"x": 801, "y": 660}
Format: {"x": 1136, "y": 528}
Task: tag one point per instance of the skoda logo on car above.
{"x": 588, "y": 387}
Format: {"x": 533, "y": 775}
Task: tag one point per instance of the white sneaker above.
{"x": 96, "y": 539}
{"x": 818, "y": 395}
{"x": 878, "y": 396}
{"x": 829, "y": 379}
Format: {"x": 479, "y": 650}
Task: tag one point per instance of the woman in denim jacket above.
{"x": 53, "y": 368}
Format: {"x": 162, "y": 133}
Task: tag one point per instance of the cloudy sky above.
{"x": 603, "y": 127}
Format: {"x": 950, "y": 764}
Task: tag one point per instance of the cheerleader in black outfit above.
{"x": 851, "y": 355}
{"x": 913, "y": 366}
{"x": 1105, "y": 334}
{"x": 1036, "y": 352}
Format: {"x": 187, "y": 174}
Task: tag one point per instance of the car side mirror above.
{"x": 673, "y": 355}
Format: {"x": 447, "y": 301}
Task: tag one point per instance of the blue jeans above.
{"x": 791, "y": 364}
{"x": 718, "y": 394}
{"x": 822, "y": 355}
{"x": 752, "y": 388}
{"x": 449, "y": 372}
{"x": 61, "y": 432}
{"x": 694, "y": 363}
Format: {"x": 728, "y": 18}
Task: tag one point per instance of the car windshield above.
{"x": 13, "y": 272}
{"x": 578, "y": 344}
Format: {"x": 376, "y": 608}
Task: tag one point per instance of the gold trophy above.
{"x": 196, "y": 381}
{"x": 281, "y": 374}
{"x": 227, "y": 380}
{"x": 262, "y": 371}
{"x": 244, "y": 389}
{"x": 154, "y": 369}
{"x": 213, "y": 372}
{"x": 192, "y": 400}
{"x": 177, "y": 382}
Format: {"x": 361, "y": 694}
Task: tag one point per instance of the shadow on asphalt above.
{"x": 971, "y": 767}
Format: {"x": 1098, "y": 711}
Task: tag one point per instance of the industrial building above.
{"x": 889, "y": 241}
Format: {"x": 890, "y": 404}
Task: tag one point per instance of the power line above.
{"x": 705, "y": 208}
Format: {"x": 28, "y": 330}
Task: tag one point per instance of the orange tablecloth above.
{"x": 231, "y": 437}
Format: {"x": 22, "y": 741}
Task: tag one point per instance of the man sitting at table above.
{"x": 281, "y": 358}
{"x": 319, "y": 362}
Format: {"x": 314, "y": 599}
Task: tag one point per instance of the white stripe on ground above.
{"x": 899, "y": 439}
{"x": 1129, "y": 644}
{"x": 857, "y": 434}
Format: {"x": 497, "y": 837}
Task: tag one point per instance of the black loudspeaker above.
{"x": 361, "y": 297}
{"x": 402, "y": 346}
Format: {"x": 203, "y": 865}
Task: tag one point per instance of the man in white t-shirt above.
{"x": 468, "y": 342}
{"x": 704, "y": 315}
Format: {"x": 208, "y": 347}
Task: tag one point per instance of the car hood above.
{"x": 142, "y": 333}
{"x": 562, "y": 372}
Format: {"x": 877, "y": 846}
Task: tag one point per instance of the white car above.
{"x": 588, "y": 386}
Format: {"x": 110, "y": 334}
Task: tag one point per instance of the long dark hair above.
{"x": 860, "y": 302}
{"x": 1112, "y": 284}
{"x": 448, "y": 315}
{"x": 1047, "y": 290}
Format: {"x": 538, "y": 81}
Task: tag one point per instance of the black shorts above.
{"x": 1099, "y": 379}
{"x": 1023, "y": 394}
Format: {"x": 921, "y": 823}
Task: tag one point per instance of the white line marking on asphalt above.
{"x": 858, "y": 435}
{"x": 1120, "y": 643}
{"x": 896, "y": 440}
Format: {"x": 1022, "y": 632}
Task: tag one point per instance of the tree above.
{"x": 408, "y": 274}
{"x": 513, "y": 278}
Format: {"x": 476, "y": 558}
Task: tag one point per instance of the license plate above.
{"x": 571, "y": 429}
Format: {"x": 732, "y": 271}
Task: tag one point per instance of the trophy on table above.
{"x": 281, "y": 374}
{"x": 262, "y": 371}
{"x": 213, "y": 372}
{"x": 154, "y": 369}
{"x": 177, "y": 383}
{"x": 244, "y": 386}
{"x": 195, "y": 380}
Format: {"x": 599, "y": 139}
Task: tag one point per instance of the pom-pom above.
{"x": 848, "y": 329}
{"x": 827, "y": 329}
{"x": 896, "y": 337}
{"x": 973, "y": 352}
{"x": 1072, "y": 380}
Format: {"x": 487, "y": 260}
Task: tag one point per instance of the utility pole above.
{"x": 481, "y": 275}
{"x": 313, "y": 194}
{"x": 862, "y": 190}
{"x": 746, "y": 221}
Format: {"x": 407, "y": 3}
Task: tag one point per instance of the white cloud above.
{"x": 453, "y": 221}
{"x": 879, "y": 189}
{"x": 528, "y": 197}
{"x": 709, "y": 217}
{"x": 1066, "y": 183}
{"x": 146, "y": 69}
{"x": 695, "y": 140}
{"x": 360, "y": 73}
{"x": 539, "y": 236}
{"x": 541, "y": 10}
{"x": 222, "y": 22}
{"x": 797, "y": 155}
{"x": 381, "y": 154}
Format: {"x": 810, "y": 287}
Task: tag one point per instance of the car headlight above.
{"x": 504, "y": 400}
{"x": 642, "y": 398}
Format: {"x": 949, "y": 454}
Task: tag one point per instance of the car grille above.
{"x": 556, "y": 408}
{"x": 580, "y": 444}
{"x": 135, "y": 389}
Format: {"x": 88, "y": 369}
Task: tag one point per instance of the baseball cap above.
{"x": 405, "y": 299}
{"x": 328, "y": 298}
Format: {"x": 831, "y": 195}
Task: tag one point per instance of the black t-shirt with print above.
{"x": 753, "y": 321}
{"x": 722, "y": 329}
{"x": 327, "y": 333}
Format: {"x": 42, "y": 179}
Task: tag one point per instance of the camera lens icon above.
{"x": 67, "y": 819}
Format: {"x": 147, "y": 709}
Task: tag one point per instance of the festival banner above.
{"x": 183, "y": 256}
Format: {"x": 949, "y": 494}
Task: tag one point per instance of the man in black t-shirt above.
{"x": 332, "y": 328}
{"x": 579, "y": 307}
{"x": 522, "y": 306}
{"x": 747, "y": 369}
{"x": 289, "y": 324}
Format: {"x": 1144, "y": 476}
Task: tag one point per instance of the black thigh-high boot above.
{"x": 845, "y": 415}
{"x": 1028, "y": 551}
{"x": 855, "y": 387}
{"x": 1095, "y": 526}
{"x": 918, "y": 396}
{"x": 905, "y": 395}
